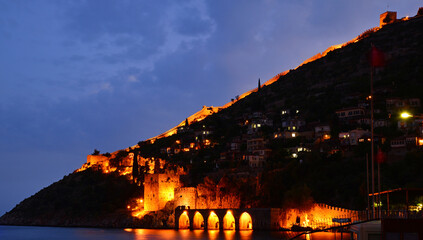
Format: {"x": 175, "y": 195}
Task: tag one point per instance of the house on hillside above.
{"x": 256, "y": 121}
{"x": 322, "y": 131}
{"x": 399, "y": 103}
{"x": 293, "y": 124}
{"x": 258, "y": 158}
{"x": 256, "y": 144}
{"x": 351, "y": 112}
{"x": 353, "y": 137}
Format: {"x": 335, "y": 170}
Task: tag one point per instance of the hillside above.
{"x": 247, "y": 153}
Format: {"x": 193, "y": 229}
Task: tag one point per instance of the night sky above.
{"x": 79, "y": 75}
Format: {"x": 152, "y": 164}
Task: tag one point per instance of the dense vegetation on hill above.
{"x": 340, "y": 79}
{"x": 87, "y": 198}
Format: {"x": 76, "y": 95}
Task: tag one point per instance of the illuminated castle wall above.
{"x": 387, "y": 18}
{"x": 96, "y": 159}
{"x": 159, "y": 189}
{"x": 318, "y": 216}
{"x": 186, "y": 196}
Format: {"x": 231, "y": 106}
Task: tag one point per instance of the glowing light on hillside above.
{"x": 406, "y": 115}
{"x": 136, "y": 207}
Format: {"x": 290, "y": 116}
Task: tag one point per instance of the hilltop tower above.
{"x": 387, "y": 17}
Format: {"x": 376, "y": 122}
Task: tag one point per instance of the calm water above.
{"x": 53, "y": 233}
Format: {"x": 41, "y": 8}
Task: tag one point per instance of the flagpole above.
{"x": 372, "y": 143}
{"x": 367, "y": 185}
{"x": 377, "y": 60}
{"x": 378, "y": 190}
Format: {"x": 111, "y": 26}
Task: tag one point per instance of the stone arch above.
{"x": 245, "y": 221}
{"x": 184, "y": 221}
{"x": 229, "y": 221}
{"x": 213, "y": 221}
{"x": 198, "y": 222}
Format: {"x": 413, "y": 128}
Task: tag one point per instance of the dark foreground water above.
{"x": 53, "y": 233}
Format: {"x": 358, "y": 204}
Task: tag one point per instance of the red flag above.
{"x": 380, "y": 156}
{"x": 377, "y": 57}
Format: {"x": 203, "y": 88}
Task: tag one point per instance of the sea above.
{"x": 59, "y": 233}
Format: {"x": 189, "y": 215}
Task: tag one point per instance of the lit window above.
{"x": 293, "y": 134}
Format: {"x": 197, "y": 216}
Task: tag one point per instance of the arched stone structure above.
{"x": 229, "y": 221}
{"x": 213, "y": 222}
{"x": 198, "y": 221}
{"x": 184, "y": 222}
{"x": 245, "y": 221}
{"x": 224, "y": 219}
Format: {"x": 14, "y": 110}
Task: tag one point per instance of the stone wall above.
{"x": 158, "y": 190}
{"x": 318, "y": 216}
{"x": 186, "y": 196}
{"x": 96, "y": 159}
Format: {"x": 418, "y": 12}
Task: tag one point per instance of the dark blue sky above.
{"x": 79, "y": 75}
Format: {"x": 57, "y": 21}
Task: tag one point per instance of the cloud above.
{"x": 145, "y": 35}
{"x": 132, "y": 79}
{"x": 104, "y": 86}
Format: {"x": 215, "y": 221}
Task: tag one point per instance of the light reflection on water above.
{"x": 53, "y": 233}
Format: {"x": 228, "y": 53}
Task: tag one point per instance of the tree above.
{"x": 135, "y": 172}
{"x": 259, "y": 85}
{"x": 186, "y": 122}
{"x": 96, "y": 152}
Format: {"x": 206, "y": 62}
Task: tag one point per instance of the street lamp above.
{"x": 405, "y": 115}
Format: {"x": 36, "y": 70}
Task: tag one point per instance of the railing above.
{"x": 398, "y": 214}
{"x": 364, "y": 216}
